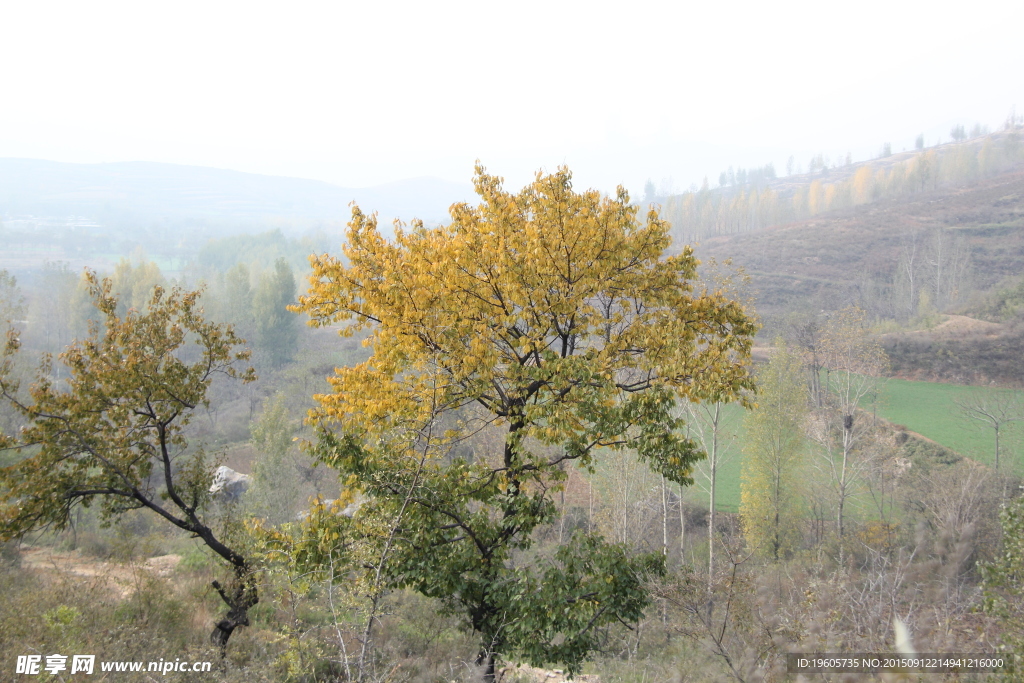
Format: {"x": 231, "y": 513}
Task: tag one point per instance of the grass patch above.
{"x": 929, "y": 408}
{"x": 727, "y": 496}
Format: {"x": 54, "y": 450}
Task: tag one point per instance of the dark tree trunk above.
{"x": 225, "y": 627}
{"x": 486, "y": 658}
{"x": 239, "y": 602}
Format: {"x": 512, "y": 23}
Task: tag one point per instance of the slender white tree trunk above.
{"x": 714, "y": 475}
{"x": 682, "y": 528}
{"x": 664, "y": 518}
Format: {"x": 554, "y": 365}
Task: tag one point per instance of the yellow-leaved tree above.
{"x": 774, "y": 466}
{"x": 554, "y": 319}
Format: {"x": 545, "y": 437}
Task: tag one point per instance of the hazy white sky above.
{"x": 364, "y": 93}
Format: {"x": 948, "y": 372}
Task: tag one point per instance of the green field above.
{"x": 929, "y": 409}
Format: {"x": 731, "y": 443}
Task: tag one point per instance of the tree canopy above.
{"x": 115, "y": 431}
{"x": 553, "y": 319}
{"x": 773, "y": 470}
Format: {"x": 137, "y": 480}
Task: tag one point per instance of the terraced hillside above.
{"x": 855, "y": 256}
{"x": 831, "y": 258}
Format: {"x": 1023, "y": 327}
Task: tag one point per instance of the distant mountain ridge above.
{"x": 171, "y": 191}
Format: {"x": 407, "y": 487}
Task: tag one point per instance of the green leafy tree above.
{"x": 12, "y": 304}
{"x": 1002, "y": 581}
{"x": 649, "y": 191}
{"x": 773, "y": 469}
{"x": 275, "y": 479}
{"x": 276, "y": 329}
{"x": 114, "y": 432}
{"x": 59, "y": 312}
{"x": 237, "y": 298}
{"x": 12, "y": 309}
{"x": 553, "y": 319}
{"x": 133, "y": 283}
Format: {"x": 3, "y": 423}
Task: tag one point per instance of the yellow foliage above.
{"x": 534, "y": 306}
{"x": 862, "y": 184}
{"x": 552, "y": 320}
{"x": 815, "y": 198}
{"x": 878, "y": 535}
{"x": 773, "y": 468}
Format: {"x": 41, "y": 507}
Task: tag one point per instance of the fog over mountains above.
{"x": 119, "y": 192}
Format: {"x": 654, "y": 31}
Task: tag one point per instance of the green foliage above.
{"x": 12, "y": 308}
{"x": 546, "y": 611}
{"x": 1007, "y": 303}
{"x": 926, "y": 455}
{"x": 262, "y": 250}
{"x": 559, "y": 602}
{"x": 757, "y": 177}
{"x": 121, "y": 419}
{"x": 61, "y": 617}
{"x": 65, "y": 311}
{"x": 1003, "y": 578}
{"x": 115, "y": 432}
{"x": 275, "y": 485}
{"x": 236, "y": 303}
{"x": 550, "y": 323}
{"x": 276, "y": 328}
{"x": 255, "y": 302}
{"x": 12, "y": 303}
{"x": 272, "y": 431}
{"x": 133, "y": 283}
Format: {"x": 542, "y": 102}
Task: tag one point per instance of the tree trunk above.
{"x": 711, "y": 512}
{"x": 997, "y": 448}
{"x": 226, "y": 626}
{"x": 590, "y": 509}
{"x": 664, "y": 518}
{"x": 486, "y": 659}
{"x": 839, "y": 519}
{"x": 682, "y": 529}
{"x": 776, "y": 541}
{"x": 241, "y": 600}
{"x": 844, "y": 483}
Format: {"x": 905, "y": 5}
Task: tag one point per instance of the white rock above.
{"x": 228, "y": 484}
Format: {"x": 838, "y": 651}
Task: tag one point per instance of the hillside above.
{"x": 861, "y": 255}
{"x": 832, "y": 259}
{"x": 156, "y": 191}
{"x": 91, "y": 215}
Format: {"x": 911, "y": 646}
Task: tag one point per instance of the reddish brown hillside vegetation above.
{"x": 903, "y": 259}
